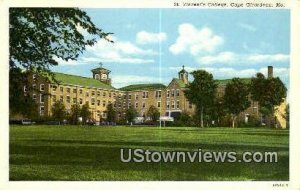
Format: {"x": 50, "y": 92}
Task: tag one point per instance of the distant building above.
{"x": 98, "y": 93}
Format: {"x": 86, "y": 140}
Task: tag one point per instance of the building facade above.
{"x": 98, "y": 93}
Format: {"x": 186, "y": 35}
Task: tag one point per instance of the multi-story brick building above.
{"x": 98, "y": 93}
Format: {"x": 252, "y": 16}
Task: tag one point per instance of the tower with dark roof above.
{"x": 183, "y": 75}
{"x": 101, "y": 74}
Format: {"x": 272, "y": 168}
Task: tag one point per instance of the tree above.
{"x": 85, "y": 112}
{"x": 268, "y": 92}
{"x": 111, "y": 113}
{"x": 153, "y": 113}
{"x": 130, "y": 114}
{"x": 185, "y": 119}
{"x": 75, "y": 113}
{"x": 39, "y": 37}
{"x": 58, "y": 111}
{"x": 236, "y": 98}
{"x": 21, "y": 102}
{"x": 201, "y": 91}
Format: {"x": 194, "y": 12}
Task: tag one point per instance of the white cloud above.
{"x": 258, "y": 58}
{"x": 228, "y": 72}
{"x": 195, "y": 40}
{"x": 124, "y": 80}
{"x": 231, "y": 58}
{"x": 247, "y": 27}
{"x": 144, "y": 37}
{"x": 118, "y": 52}
{"x": 223, "y": 57}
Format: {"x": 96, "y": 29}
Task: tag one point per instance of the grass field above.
{"x": 93, "y": 153}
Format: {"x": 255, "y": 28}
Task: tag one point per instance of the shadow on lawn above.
{"x": 165, "y": 144}
{"x": 98, "y": 159}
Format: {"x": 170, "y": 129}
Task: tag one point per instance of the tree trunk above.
{"x": 201, "y": 116}
{"x": 233, "y": 121}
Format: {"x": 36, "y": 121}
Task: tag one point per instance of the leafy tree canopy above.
{"x": 201, "y": 91}
{"x": 59, "y": 111}
{"x": 236, "y": 97}
{"x": 153, "y": 113}
{"x": 111, "y": 113}
{"x": 39, "y": 36}
{"x": 130, "y": 114}
{"x": 269, "y": 92}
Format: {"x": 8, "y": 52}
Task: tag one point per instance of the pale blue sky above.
{"x": 152, "y": 44}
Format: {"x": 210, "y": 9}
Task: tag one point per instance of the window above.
{"x": 136, "y": 104}
{"x": 80, "y": 91}
{"x": 144, "y": 105}
{"x": 104, "y": 115}
{"x": 129, "y": 104}
{"x": 74, "y": 90}
{"x": 25, "y": 89}
{"x": 34, "y": 77}
{"x": 87, "y": 94}
{"x": 136, "y": 96}
{"x": 168, "y": 93}
{"x": 145, "y": 94}
{"x": 54, "y": 98}
{"x": 173, "y": 104}
{"x": 68, "y": 99}
{"x": 61, "y": 89}
{"x": 119, "y": 105}
{"x": 98, "y": 93}
{"x": 104, "y": 103}
{"x": 168, "y": 105}
{"x": 34, "y": 96}
{"x": 54, "y": 88}
{"x": 34, "y": 86}
{"x": 158, "y": 104}
{"x": 190, "y": 105}
{"x": 173, "y": 93}
{"x": 42, "y": 110}
{"x": 93, "y": 101}
{"x": 98, "y": 102}
{"x": 97, "y": 76}
{"x": 42, "y": 87}
{"x": 74, "y": 100}
{"x": 80, "y": 101}
{"x": 93, "y": 93}
{"x": 42, "y": 98}
{"x": 158, "y": 94}
{"x": 68, "y": 90}
{"x": 109, "y": 94}
{"x": 104, "y": 94}
{"x": 61, "y": 98}
{"x": 177, "y": 92}
{"x": 129, "y": 96}
{"x": 177, "y": 104}
{"x": 114, "y": 94}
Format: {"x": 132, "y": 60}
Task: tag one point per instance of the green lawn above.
{"x": 93, "y": 153}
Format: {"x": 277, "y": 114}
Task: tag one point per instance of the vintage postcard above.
{"x": 174, "y": 94}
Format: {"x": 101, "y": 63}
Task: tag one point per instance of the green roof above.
{"x": 225, "y": 81}
{"x": 143, "y": 87}
{"x": 179, "y": 82}
{"x": 80, "y": 81}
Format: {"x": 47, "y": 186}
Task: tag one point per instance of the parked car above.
{"x": 27, "y": 122}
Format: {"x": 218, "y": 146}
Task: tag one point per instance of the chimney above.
{"x": 270, "y": 72}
